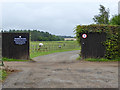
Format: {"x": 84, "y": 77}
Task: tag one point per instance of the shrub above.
{"x": 112, "y": 42}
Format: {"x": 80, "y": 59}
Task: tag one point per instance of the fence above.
{"x": 52, "y": 46}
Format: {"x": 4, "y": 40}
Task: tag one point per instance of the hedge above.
{"x": 112, "y": 42}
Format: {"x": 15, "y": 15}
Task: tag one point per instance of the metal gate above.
{"x": 92, "y": 45}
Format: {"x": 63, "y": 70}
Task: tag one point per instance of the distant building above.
{"x": 70, "y": 39}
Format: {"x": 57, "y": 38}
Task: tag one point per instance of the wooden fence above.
{"x": 52, "y": 46}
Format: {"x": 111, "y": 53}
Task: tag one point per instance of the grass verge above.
{"x": 7, "y": 59}
{"x": 98, "y": 59}
{"x": 101, "y": 60}
{"x": 3, "y": 75}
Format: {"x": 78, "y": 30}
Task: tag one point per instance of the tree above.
{"x": 103, "y": 17}
{"x": 36, "y": 35}
{"x": 115, "y": 20}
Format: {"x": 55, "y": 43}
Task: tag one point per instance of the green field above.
{"x": 52, "y": 47}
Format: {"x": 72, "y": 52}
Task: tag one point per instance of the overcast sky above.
{"x": 59, "y": 18}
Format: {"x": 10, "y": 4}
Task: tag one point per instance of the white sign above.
{"x": 20, "y": 41}
{"x": 84, "y": 36}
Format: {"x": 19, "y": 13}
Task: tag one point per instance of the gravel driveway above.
{"x": 62, "y": 70}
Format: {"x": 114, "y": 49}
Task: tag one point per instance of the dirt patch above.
{"x": 8, "y": 71}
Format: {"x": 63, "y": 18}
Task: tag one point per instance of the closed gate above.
{"x": 15, "y": 45}
{"x": 92, "y": 45}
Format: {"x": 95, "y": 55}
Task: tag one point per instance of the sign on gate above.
{"x": 20, "y": 41}
{"x": 84, "y": 35}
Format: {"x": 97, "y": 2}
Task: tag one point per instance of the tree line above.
{"x": 36, "y": 35}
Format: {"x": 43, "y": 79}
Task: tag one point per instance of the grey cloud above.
{"x": 56, "y": 18}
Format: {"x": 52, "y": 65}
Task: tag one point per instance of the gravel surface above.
{"x": 62, "y": 70}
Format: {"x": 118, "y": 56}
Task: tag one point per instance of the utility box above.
{"x": 15, "y": 45}
{"x": 92, "y": 45}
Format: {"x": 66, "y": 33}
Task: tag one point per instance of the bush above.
{"x": 112, "y": 42}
